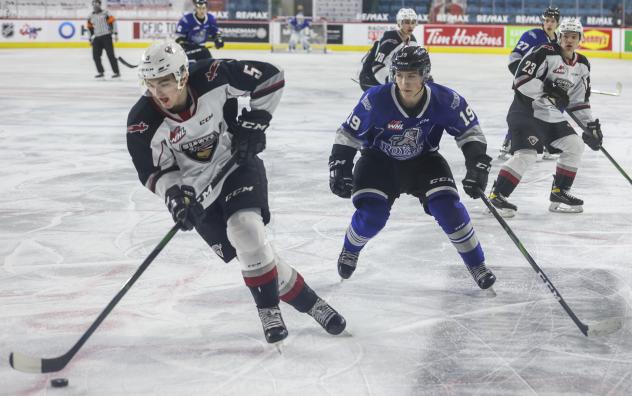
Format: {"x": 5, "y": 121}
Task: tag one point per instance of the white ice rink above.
{"x": 75, "y": 223}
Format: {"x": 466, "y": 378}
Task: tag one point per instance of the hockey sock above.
{"x": 453, "y": 218}
{"x": 300, "y": 296}
{"x": 564, "y": 177}
{"x": 369, "y": 218}
{"x": 264, "y": 288}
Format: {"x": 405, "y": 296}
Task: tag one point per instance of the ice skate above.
{"x": 347, "y": 263}
{"x": 273, "y": 326}
{"x": 327, "y": 317}
{"x": 563, "y": 202}
{"x": 483, "y": 277}
{"x": 99, "y": 76}
{"x": 503, "y": 207}
{"x": 116, "y": 75}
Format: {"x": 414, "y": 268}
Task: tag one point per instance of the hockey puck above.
{"x": 59, "y": 382}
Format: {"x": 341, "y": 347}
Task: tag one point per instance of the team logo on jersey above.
{"x": 137, "y": 128}
{"x": 176, "y": 134}
{"x": 405, "y": 145}
{"x": 533, "y": 140}
{"x": 212, "y": 71}
{"x": 366, "y": 103}
{"x": 395, "y": 125}
{"x": 563, "y": 83}
{"x": 201, "y": 149}
{"x": 456, "y": 101}
{"x": 560, "y": 70}
{"x": 217, "y": 248}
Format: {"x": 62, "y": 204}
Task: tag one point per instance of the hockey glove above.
{"x": 249, "y": 138}
{"x": 341, "y": 170}
{"x": 556, "y": 94}
{"x": 184, "y": 208}
{"x": 592, "y": 135}
{"x": 219, "y": 41}
{"x": 476, "y": 175}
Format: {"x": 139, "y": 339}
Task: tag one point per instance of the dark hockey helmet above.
{"x": 411, "y": 58}
{"x": 199, "y": 3}
{"x": 552, "y": 12}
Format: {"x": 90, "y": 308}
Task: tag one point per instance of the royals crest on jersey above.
{"x": 403, "y": 146}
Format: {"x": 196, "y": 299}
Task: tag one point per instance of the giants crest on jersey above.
{"x": 403, "y": 146}
{"x": 201, "y": 149}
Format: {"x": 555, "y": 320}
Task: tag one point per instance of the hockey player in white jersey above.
{"x": 551, "y": 79}
{"x": 182, "y": 132}
{"x": 376, "y": 64}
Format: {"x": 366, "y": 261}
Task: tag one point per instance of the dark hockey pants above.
{"x": 98, "y": 45}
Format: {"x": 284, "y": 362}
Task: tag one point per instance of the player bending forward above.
{"x": 398, "y": 127}
{"x": 299, "y": 27}
{"x": 551, "y": 79}
{"x": 181, "y": 133}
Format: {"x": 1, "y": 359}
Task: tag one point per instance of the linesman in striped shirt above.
{"x": 102, "y": 27}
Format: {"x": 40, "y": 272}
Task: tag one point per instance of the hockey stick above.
{"x": 126, "y": 63}
{"x": 603, "y": 150}
{"x": 601, "y": 328}
{"x": 619, "y": 88}
{"x": 42, "y": 365}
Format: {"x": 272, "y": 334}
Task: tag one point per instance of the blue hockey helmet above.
{"x": 411, "y": 58}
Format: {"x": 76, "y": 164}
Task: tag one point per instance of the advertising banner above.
{"x": 464, "y": 36}
{"x": 597, "y": 39}
{"x": 513, "y": 34}
{"x": 153, "y": 30}
{"x": 334, "y": 34}
{"x": 628, "y": 41}
{"x": 34, "y": 31}
{"x": 245, "y": 32}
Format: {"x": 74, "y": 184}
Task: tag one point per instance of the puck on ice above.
{"x": 59, "y": 382}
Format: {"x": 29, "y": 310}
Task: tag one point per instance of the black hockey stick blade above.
{"x": 619, "y": 88}
{"x": 30, "y": 364}
{"x": 126, "y": 63}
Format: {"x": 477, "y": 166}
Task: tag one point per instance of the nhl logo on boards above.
{"x": 7, "y": 30}
{"x": 395, "y": 125}
{"x": 533, "y": 140}
{"x": 177, "y": 134}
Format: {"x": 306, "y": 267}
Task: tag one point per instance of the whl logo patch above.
{"x": 395, "y": 125}
{"x": 177, "y": 134}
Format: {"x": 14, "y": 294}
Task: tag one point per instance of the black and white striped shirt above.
{"x": 101, "y": 23}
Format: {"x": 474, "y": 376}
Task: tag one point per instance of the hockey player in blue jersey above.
{"x": 299, "y": 27}
{"x": 398, "y": 127}
{"x": 194, "y": 30}
{"x": 529, "y": 40}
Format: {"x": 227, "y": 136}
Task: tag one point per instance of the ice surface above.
{"x": 75, "y": 223}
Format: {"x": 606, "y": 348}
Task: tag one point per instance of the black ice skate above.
{"x": 116, "y": 75}
{"x": 504, "y": 207}
{"x": 347, "y": 263}
{"x": 563, "y": 202}
{"x": 483, "y": 277}
{"x": 273, "y": 326}
{"x": 99, "y": 76}
{"x": 327, "y": 317}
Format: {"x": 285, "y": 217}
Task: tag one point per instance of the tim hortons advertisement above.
{"x": 464, "y": 36}
{"x": 597, "y": 39}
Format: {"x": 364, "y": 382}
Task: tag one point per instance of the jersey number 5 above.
{"x": 252, "y": 71}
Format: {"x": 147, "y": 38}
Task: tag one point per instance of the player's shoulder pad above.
{"x": 445, "y": 96}
{"x": 144, "y": 118}
{"x": 583, "y": 60}
{"x": 208, "y": 73}
{"x": 390, "y": 36}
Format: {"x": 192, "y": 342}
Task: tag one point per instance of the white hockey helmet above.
{"x": 405, "y": 14}
{"x": 161, "y": 59}
{"x": 571, "y": 25}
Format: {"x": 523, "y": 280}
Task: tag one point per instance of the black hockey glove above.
{"x": 557, "y": 94}
{"x": 476, "y": 175}
{"x": 592, "y": 135}
{"x": 184, "y": 208}
{"x": 341, "y": 170}
{"x": 219, "y": 41}
{"x": 249, "y": 138}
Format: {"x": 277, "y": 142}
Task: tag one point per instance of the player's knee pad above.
{"x": 521, "y": 161}
{"x": 572, "y": 148}
{"x": 246, "y": 232}
{"x": 448, "y": 210}
{"x": 372, "y": 212}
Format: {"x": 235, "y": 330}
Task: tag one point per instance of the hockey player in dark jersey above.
{"x": 398, "y": 127}
{"x": 182, "y": 132}
{"x": 551, "y": 79}
{"x": 194, "y": 30}
{"x": 376, "y": 63}
{"x": 529, "y": 40}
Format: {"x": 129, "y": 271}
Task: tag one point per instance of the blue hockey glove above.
{"x": 184, "y": 208}
{"x": 341, "y": 170}
{"x": 476, "y": 175}
{"x": 592, "y": 135}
